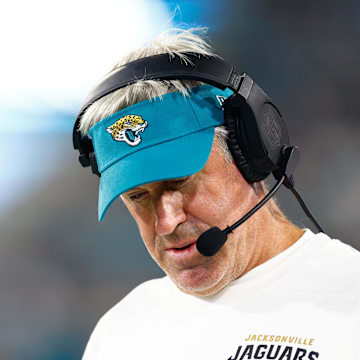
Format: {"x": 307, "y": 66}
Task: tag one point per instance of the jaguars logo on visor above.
{"x": 127, "y": 129}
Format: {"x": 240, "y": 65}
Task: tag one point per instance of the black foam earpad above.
{"x": 236, "y": 141}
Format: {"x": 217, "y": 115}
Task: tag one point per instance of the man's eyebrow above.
{"x": 135, "y": 189}
{"x": 131, "y": 190}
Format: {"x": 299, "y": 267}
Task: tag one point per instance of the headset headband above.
{"x": 208, "y": 69}
{"x": 211, "y": 70}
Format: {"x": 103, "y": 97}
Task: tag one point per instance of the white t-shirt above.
{"x": 302, "y": 304}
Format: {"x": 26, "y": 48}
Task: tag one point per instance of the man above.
{"x": 273, "y": 291}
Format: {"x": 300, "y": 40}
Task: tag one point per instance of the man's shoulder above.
{"x": 135, "y": 308}
{"x": 340, "y": 252}
{"x": 329, "y": 268}
{"x": 145, "y": 297}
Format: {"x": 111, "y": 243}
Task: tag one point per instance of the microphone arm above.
{"x": 211, "y": 241}
{"x": 229, "y": 229}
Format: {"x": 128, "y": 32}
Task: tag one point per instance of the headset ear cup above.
{"x": 234, "y": 140}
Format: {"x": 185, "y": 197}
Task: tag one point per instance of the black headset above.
{"x": 257, "y": 135}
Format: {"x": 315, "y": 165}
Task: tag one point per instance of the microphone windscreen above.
{"x": 211, "y": 241}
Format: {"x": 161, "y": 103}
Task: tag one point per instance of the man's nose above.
{"x": 169, "y": 212}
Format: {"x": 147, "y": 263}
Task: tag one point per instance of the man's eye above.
{"x": 137, "y": 196}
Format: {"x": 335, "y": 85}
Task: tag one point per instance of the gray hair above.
{"x": 175, "y": 42}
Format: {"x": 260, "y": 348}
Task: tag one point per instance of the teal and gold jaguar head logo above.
{"x": 127, "y": 129}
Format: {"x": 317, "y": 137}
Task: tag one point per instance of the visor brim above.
{"x": 176, "y": 158}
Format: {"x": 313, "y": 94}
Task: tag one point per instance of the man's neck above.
{"x": 278, "y": 235}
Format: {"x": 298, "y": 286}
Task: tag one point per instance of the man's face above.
{"x": 172, "y": 214}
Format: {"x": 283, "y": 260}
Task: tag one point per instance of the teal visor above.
{"x": 154, "y": 140}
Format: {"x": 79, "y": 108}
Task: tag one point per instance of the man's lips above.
{"x": 183, "y": 253}
{"x": 181, "y": 245}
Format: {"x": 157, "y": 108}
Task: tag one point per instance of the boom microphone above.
{"x": 211, "y": 241}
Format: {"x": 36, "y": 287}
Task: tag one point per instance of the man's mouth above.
{"x": 182, "y": 245}
{"x": 183, "y": 253}
{"x": 182, "y": 248}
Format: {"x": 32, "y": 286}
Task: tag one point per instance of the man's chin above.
{"x": 198, "y": 280}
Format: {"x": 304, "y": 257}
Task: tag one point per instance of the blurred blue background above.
{"x": 60, "y": 270}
